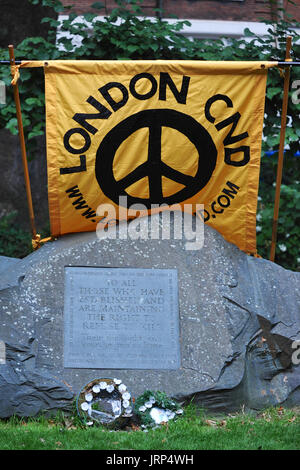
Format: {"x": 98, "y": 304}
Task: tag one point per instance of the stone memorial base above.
{"x": 238, "y": 317}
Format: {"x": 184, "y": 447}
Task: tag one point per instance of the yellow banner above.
{"x": 153, "y": 133}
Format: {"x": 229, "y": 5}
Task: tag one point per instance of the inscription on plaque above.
{"x": 121, "y": 318}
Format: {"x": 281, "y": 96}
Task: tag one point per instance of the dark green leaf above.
{"x": 98, "y": 5}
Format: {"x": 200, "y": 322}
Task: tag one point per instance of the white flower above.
{"x": 90, "y": 423}
{"x": 258, "y": 217}
{"x": 117, "y": 381}
{"x": 179, "y": 412}
{"x": 84, "y": 406}
{"x": 170, "y": 414}
{"x": 159, "y": 415}
{"x": 258, "y": 228}
{"x": 126, "y": 403}
{"x": 89, "y": 396}
{"x": 287, "y": 235}
{"x": 110, "y": 388}
{"x": 122, "y": 388}
{"x": 142, "y": 408}
{"x": 126, "y": 396}
{"x": 96, "y": 389}
{"x": 298, "y": 260}
{"x": 282, "y": 247}
{"x": 103, "y": 385}
{"x": 259, "y": 198}
{"x": 148, "y": 404}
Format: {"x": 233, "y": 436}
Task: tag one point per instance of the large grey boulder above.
{"x": 239, "y": 316}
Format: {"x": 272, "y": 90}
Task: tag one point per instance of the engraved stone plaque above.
{"x": 121, "y": 318}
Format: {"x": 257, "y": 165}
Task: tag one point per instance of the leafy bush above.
{"x": 14, "y": 241}
{"x": 124, "y": 35}
{"x": 287, "y": 248}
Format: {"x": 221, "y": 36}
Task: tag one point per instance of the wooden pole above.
{"x": 23, "y": 147}
{"x": 281, "y": 146}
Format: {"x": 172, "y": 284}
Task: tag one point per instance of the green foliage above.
{"x": 55, "y": 4}
{"x": 14, "y": 241}
{"x": 127, "y": 34}
{"x": 288, "y": 236}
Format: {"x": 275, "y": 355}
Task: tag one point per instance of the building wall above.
{"x": 230, "y": 10}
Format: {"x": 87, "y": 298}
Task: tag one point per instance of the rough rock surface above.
{"x": 238, "y": 318}
{"x": 6, "y": 263}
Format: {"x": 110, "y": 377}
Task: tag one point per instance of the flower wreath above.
{"x": 97, "y": 396}
{"x": 155, "y": 408}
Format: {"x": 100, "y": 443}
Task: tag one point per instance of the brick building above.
{"x": 224, "y": 10}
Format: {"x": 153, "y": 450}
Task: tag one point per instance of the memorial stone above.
{"x": 238, "y": 319}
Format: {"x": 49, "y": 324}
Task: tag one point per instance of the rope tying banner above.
{"x": 15, "y": 73}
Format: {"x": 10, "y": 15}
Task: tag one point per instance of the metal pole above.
{"x": 7, "y": 62}
{"x": 276, "y": 63}
{"x": 281, "y": 146}
{"x": 288, "y": 64}
{"x": 22, "y": 143}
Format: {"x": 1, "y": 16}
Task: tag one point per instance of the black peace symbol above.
{"x": 154, "y": 168}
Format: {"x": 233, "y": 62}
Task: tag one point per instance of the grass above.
{"x": 273, "y": 429}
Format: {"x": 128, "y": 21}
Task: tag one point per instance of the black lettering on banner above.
{"x": 103, "y": 113}
{"x": 75, "y": 169}
{"x": 221, "y": 197}
{"x": 74, "y": 191}
{"x": 80, "y": 203}
{"x": 212, "y": 100}
{"x": 214, "y": 209}
{"x": 115, "y": 105}
{"x": 75, "y": 151}
{"x": 166, "y": 80}
{"x": 204, "y": 215}
{"x": 245, "y": 149}
{"x": 231, "y": 139}
{"x": 224, "y": 200}
{"x": 83, "y": 133}
{"x": 233, "y": 189}
{"x": 150, "y": 93}
{"x": 89, "y": 213}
